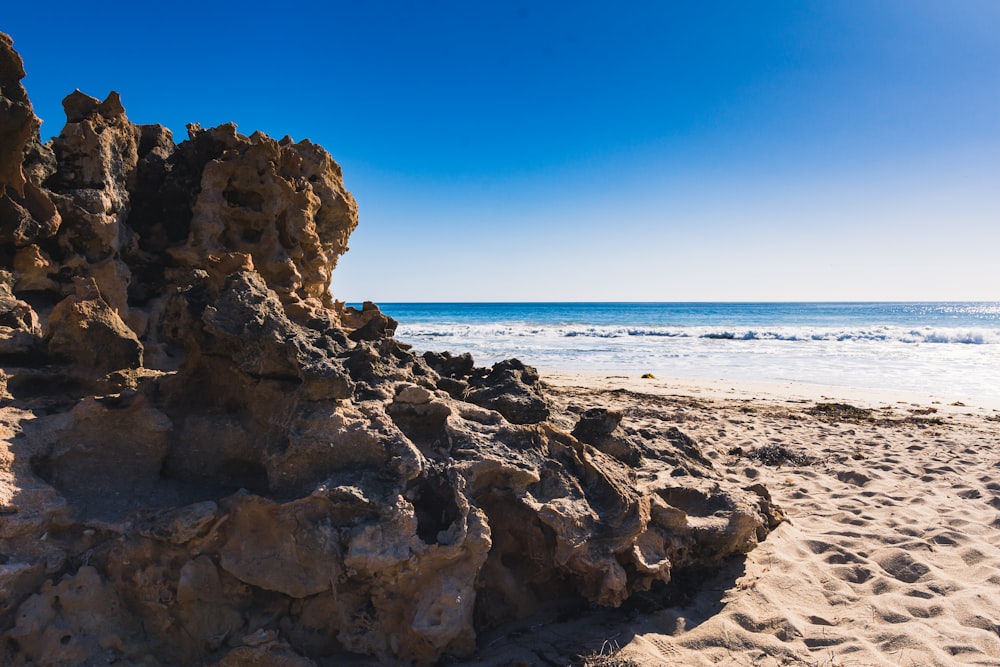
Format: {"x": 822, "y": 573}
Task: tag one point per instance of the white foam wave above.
{"x": 429, "y": 330}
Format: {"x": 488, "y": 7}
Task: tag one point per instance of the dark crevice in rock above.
{"x": 434, "y": 506}
{"x": 236, "y": 474}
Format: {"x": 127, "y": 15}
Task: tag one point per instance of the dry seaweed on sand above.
{"x": 845, "y": 412}
{"x": 774, "y": 455}
{"x": 840, "y": 412}
{"x": 608, "y": 656}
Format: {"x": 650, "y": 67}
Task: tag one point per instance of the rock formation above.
{"x": 207, "y": 460}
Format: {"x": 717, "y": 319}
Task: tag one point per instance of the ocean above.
{"x": 944, "y": 348}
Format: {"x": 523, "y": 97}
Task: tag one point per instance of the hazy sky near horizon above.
{"x": 547, "y": 151}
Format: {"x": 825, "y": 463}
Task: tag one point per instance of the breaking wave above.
{"x": 937, "y": 335}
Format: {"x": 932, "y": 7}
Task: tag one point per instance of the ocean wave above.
{"x": 937, "y": 336}
{"x": 595, "y": 332}
{"x": 887, "y": 335}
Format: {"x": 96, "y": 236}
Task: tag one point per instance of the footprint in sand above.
{"x": 925, "y": 612}
{"x": 853, "y": 477}
{"x": 917, "y": 593}
{"x": 943, "y": 588}
{"x": 946, "y": 538}
{"x": 894, "y": 643}
{"x": 881, "y": 586}
{"x": 855, "y": 574}
{"x": 842, "y": 558}
{"x": 893, "y": 617}
{"x": 849, "y": 520}
{"x": 833, "y": 554}
{"x": 819, "y": 620}
{"x": 900, "y": 565}
{"x": 979, "y": 622}
{"x": 779, "y": 626}
{"x": 823, "y": 642}
{"x": 972, "y": 556}
{"x": 666, "y": 649}
{"x": 818, "y": 547}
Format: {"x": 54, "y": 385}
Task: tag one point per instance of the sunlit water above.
{"x": 949, "y": 348}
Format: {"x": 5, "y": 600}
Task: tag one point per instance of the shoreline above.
{"x": 773, "y": 392}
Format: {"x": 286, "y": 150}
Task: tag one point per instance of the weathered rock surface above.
{"x": 206, "y": 460}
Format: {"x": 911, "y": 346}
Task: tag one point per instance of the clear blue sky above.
{"x": 584, "y": 151}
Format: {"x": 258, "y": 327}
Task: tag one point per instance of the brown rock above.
{"x": 248, "y": 322}
{"x": 28, "y": 217}
{"x": 271, "y": 654}
{"x": 26, "y": 213}
{"x": 20, "y": 330}
{"x": 84, "y": 330}
{"x": 178, "y": 525}
{"x": 73, "y": 622}
{"x": 34, "y": 269}
{"x": 284, "y": 205}
{"x": 597, "y": 427}
{"x": 292, "y": 548}
{"x": 101, "y": 470}
{"x": 369, "y": 323}
{"x": 510, "y": 388}
{"x": 17, "y": 119}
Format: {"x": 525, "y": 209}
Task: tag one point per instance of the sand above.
{"x": 890, "y": 555}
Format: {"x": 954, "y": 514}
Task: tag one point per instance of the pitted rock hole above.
{"x": 235, "y": 474}
{"x": 434, "y": 505}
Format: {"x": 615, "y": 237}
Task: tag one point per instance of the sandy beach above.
{"x": 890, "y": 554}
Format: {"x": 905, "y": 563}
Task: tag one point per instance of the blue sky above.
{"x": 537, "y": 151}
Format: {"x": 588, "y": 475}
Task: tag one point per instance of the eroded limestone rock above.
{"x": 26, "y": 212}
{"x": 510, "y": 388}
{"x": 85, "y": 331}
{"x": 205, "y": 459}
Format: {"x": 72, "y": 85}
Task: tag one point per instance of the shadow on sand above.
{"x": 565, "y": 633}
